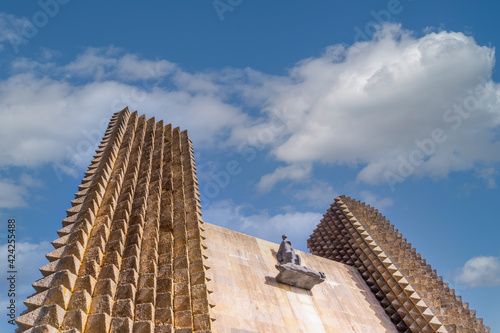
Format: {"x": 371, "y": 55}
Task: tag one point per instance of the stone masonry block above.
{"x": 181, "y": 275}
{"x": 163, "y": 300}
{"x": 164, "y": 316}
{"x": 164, "y": 285}
{"x": 201, "y": 322}
{"x": 80, "y": 300}
{"x": 110, "y": 272}
{"x": 70, "y": 263}
{"x": 74, "y": 320}
{"x": 144, "y": 312}
{"x": 85, "y": 283}
{"x": 180, "y": 251}
{"x": 145, "y": 295}
{"x": 112, "y": 258}
{"x": 126, "y": 291}
{"x": 182, "y": 303}
{"x": 101, "y": 304}
{"x": 105, "y": 287}
{"x": 181, "y": 289}
{"x": 123, "y": 308}
{"x": 165, "y": 271}
{"x": 90, "y": 268}
{"x": 183, "y": 319}
{"x": 143, "y": 327}
{"x": 121, "y": 325}
{"x": 128, "y": 276}
{"x": 98, "y": 323}
{"x": 200, "y": 306}
{"x": 46, "y": 315}
{"x": 64, "y": 278}
{"x": 130, "y": 263}
{"x": 147, "y": 281}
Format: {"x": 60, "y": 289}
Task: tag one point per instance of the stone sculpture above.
{"x": 291, "y": 271}
{"x": 286, "y": 254}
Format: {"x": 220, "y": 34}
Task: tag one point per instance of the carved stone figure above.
{"x": 291, "y": 271}
{"x": 286, "y": 253}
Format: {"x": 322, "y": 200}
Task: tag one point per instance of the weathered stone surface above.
{"x": 249, "y": 299}
{"x": 121, "y": 325}
{"x": 45, "y": 315}
{"x": 74, "y": 320}
{"x": 42, "y": 329}
{"x": 58, "y": 295}
{"x": 98, "y": 323}
{"x": 298, "y": 276}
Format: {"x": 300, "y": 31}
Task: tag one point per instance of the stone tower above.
{"x": 412, "y": 294}
{"x": 130, "y": 253}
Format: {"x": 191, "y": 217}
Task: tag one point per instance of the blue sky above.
{"x": 289, "y": 104}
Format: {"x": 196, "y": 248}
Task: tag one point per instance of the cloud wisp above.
{"x": 297, "y": 225}
{"x": 480, "y": 272}
{"x": 295, "y": 173}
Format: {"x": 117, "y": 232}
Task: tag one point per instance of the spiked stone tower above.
{"x": 130, "y": 253}
{"x": 412, "y": 294}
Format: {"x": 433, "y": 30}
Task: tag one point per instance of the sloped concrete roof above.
{"x": 248, "y": 298}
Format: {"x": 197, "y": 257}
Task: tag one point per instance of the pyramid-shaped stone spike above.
{"x": 75, "y": 249}
{"x": 58, "y": 295}
{"x": 130, "y": 255}
{"x": 359, "y": 235}
{"x": 61, "y": 278}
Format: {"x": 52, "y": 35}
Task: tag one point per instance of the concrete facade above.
{"x": 248, "y": 298}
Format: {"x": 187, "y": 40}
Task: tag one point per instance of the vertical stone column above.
{"x": 125, "y": 230}
{"x": 73, "y": 267}
{"x": 164, "y": 285}
{"x": 145, "y": 293}
{"x": 200, "y": 300}
{"x": 183, "y": 318}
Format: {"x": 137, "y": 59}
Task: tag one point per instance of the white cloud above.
{"x": 47, "y": 54}
{"x": 480, "y": 272}
{"x": 318, "y": 195}
{"x": 28, "y": 181}
{"x": 374, "y": 201}
{"x": 16, "y": 194}
{"x": 50, "y": 116}
{"x": 297, "y": 225}
{"x": 111, "y": 62}
{"x": 370, "y": 108}
{"x": 10, "y": 26}
{"x": 488, "y": 175}
{"x": 291, "y": 172}
{"x": 11, "y": 194}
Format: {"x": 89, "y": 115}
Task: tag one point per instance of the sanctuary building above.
{"x": 134, "y": 255}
